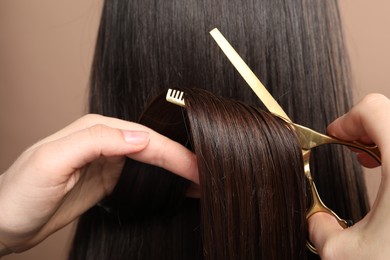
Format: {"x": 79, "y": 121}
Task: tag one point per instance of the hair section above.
{"x": 252, "y": 203}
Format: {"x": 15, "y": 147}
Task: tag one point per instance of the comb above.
{"x": 175, "y": 97}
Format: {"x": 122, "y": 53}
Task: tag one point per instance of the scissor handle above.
{"x": 372, "y": 150}
{"x": 310, "y": 139}
{"x": 318, "y": 206}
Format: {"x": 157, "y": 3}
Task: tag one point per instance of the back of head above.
{"x": 295, "y": 47}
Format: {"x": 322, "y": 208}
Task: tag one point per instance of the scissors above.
{"x": 307, "y": 137}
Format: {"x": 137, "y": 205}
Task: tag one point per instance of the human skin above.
{"x": 59, "y": 178}
{"x": 369, "y": 122}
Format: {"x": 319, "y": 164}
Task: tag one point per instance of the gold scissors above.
{"x": 307, "y": 137}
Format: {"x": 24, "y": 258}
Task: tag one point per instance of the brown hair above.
{"x": 295, "y": 46}
{"x": 252, "y": 203}
{"x": 251, "y": 177}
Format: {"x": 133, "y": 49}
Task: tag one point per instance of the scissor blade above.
{"x": 248, "y": 75}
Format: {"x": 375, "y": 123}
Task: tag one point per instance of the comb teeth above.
{"x": 175, "y": 97}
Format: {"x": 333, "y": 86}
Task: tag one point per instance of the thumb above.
{"x": 101, "y": 140}
{"x": 322, "y": 227}
{"x": 74, "y": 151}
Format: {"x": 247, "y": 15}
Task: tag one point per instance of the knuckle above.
{"x": 99, "y": 131}
{"x": 373, "y": 105}
{"x": 101, "y": 137}
{"x": 374, "y": 98}
{"x": 161, "y": 154}
{"x": 89, "y": 120}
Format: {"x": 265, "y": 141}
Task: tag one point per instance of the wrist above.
{"x": 4, "y": 250}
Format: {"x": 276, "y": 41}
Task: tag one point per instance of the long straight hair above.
{"x": 252, "y": 203}
{"x": 252, "y": 188}
{"x": 295, "y": 47}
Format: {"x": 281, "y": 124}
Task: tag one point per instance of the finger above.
{"x": 82, "y": 147}
{"x": 162, "y": 151}
{"x": 65, "y": 155}
{"x": 170, "y": 155}
{"x": 370, "y": 117}
{"x": 322, "y": 227}
{"x": 88, "y": 121}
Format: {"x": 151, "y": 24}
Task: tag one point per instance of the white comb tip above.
{"x": 175, "y": 97}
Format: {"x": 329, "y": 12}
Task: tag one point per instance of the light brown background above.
{"x": 46, "y": 49}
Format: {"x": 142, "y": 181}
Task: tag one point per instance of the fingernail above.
{"x": 136, "y": 137}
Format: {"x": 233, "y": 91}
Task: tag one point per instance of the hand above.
{"x": 62, "y": 176}
{"x": 369, "y": 122}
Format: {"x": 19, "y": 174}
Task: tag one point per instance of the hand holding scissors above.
{"x": 369, "y": 238}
